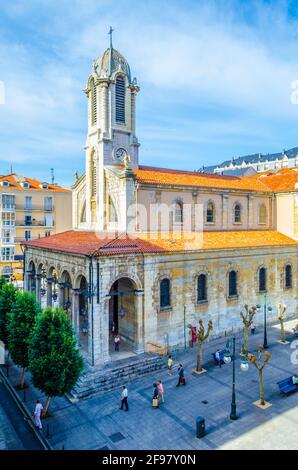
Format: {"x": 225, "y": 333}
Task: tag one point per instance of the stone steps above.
{"x": 113, "y": 376}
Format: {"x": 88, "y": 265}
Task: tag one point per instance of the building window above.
{"x": 237, "y": 214}
{"x": 210, "y": 216}
{"x": 48, "y": 220}
{"x": 8, "y": 218}
{"x": 28, "y": 202}
{"x": 233, "y": 284}
{"x": 47, "y": 233}
{"x": 93, "y": 103}
{"x": 5, "y": 183}
{"x": 165, "y": 299}
{"x": 288, "y": 276}
{"x": 26, "y": 185}
{"x": 120, "y": 100}
{"x": 28, "y": 235}
{"x": 7, "y": 254}
{"x": 8, "y": 201}
{"x": 7, "y": 236}
{"x": 178, "y": 213}
{"x": 262, "y": 216}
{"x": 262, "y": 280}
{"x": 48, "y": 203}
{"x": 202, "y": 288}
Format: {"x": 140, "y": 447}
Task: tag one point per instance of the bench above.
{"x": 286, "y": 386}
{"x": 221, "y": 357}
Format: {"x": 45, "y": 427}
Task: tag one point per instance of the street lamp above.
{"x": 265, "y": 343}
{"x": 228, "y": 358}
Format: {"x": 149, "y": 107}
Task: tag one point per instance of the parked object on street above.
{"x": 200, "y": 425}
{"x": 287, "y": 385}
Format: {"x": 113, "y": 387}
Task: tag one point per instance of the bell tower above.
{"x": 111, "y": 139}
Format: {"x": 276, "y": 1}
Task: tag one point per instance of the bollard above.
{"x": 200, "y": 422}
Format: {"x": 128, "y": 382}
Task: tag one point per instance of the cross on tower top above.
{"x": 111, "y": 37}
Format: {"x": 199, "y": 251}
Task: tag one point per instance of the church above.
{"x": 154, "y": 249}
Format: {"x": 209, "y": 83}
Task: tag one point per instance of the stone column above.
{"x": 75, "y": 314}
{"x": 250, "y": 211}
{"x": 140, "y": 333}
{"x": 225, "y": 211}
{"x": 61, "y": 295}
{"x": 38, "y": 287}
{"x": 98, "y": 344}
{"x": 49, "y": 293}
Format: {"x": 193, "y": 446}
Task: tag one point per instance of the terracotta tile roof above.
{"x": 152, "y": 175}
{"x": 282, "y": 180}
{"x": 86, "y": 243}
{"x": 15, "y": 182}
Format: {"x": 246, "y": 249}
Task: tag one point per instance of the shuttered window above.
{"x": 232, "y": 283}
{"x": 288, "y": 283}
{"x": 165, "y": 300}
{"x": 202, "y": 288}
{"x": 262, "y": 280}
{"x": 120, "y": 100}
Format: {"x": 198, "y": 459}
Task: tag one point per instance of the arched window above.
{"x": 120, "y": 100}
{"x": 202, "y": 288}
{"x": 233, "y": 284}
{"x": 237, "y": 213}
{"x": 210, "y": 214}
{"x": 262, "y": 216}
{"x": 112, "y": 211}
{"x": 93, "y": 103}
{"x": 178, "y": 212}
{"x": 262, "y": 280}
{"x": 165, "y": 298}
{"x": 288, "y": 276}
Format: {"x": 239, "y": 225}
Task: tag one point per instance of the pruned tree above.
{"x": 260, "y": 362}
{"x": 201, "y": 336}
{"x": 7, "y": 299}
{"x": 21, "y": 322}
{"x": 247, "y": 319}
{"x": 55, "y": 362}
{"x": 281, "y": 312}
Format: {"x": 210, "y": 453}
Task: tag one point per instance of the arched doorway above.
{"x": 122, "y": 314}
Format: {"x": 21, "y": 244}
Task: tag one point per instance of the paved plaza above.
{"x": 97, "y": 423}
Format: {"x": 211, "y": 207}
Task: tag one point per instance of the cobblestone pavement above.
{"x": 98, "y": 423}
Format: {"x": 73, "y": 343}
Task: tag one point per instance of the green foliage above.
{"x": 7, "y": 299}
{"x": 2, "y": 282}
{"x": 21, "y": 322}
{"x": 55, "y": 361}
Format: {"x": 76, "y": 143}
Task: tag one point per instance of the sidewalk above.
{"x": 97, "y": 423}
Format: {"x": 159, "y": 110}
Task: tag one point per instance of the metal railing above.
{"x": 33, "y": 223}
{"x": 34, "y": 207}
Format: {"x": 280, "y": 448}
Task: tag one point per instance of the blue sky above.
{"x": 215, "y": 79}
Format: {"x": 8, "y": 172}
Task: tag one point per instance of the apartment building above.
{"x": 30, "y": 209}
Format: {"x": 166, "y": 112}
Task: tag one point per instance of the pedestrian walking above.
{"x": 117, "y": 341}
{"x": 155, "y": 396}
{"x": 170, "y": 365}
{"x": 124, "y": 398}
{"x": 160, "y": 391}
{"x": 37, "y": 415}
{"x": 217, "y": 356}
{"x": 181, "y": 379}
{"x": 253, "y": 328}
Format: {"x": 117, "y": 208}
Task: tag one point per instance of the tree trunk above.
{"x": 46, "y": 408}
{"x": 282, "y": 331}
{"x": 23, "y": 378}
{"x": 245, "y": 339}
{"x": 262, "y": 397}
{"x": 199, "y": 356}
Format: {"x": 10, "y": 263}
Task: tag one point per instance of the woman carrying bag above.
{"x": 155, "y": 396}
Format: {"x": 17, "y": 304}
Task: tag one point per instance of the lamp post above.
{"x": 265, "y": 342}
{"x": 228, "y": 358}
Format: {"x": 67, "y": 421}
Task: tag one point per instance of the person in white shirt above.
{"x": 37, "y": 415}
{"x": 124, "y": 397}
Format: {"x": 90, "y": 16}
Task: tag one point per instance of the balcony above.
{"x": 33, "y": 223}
{"x": 7, "y": 207}
{"x": 37, "y": 208}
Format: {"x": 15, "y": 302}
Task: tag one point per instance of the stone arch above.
{"x": 134, "y": 278}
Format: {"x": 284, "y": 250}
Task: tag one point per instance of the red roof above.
{"x": 88, "y": 243}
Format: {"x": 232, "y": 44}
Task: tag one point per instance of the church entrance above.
{"x": 122, "y": 318}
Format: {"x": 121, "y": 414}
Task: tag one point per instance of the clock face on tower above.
{"x": 120, "y": 153}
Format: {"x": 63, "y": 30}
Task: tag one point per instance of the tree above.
{"x": 201, "y": 337}
{"x": 2, "y": 282}
{"x": 281, "y": 320}
{"x": 55, "y": 361}
{"x": 21, "y": 322}
{"x": 7, "y": 299}
{"x": 247, "y": 319}
{"x": 259, "y": 362}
